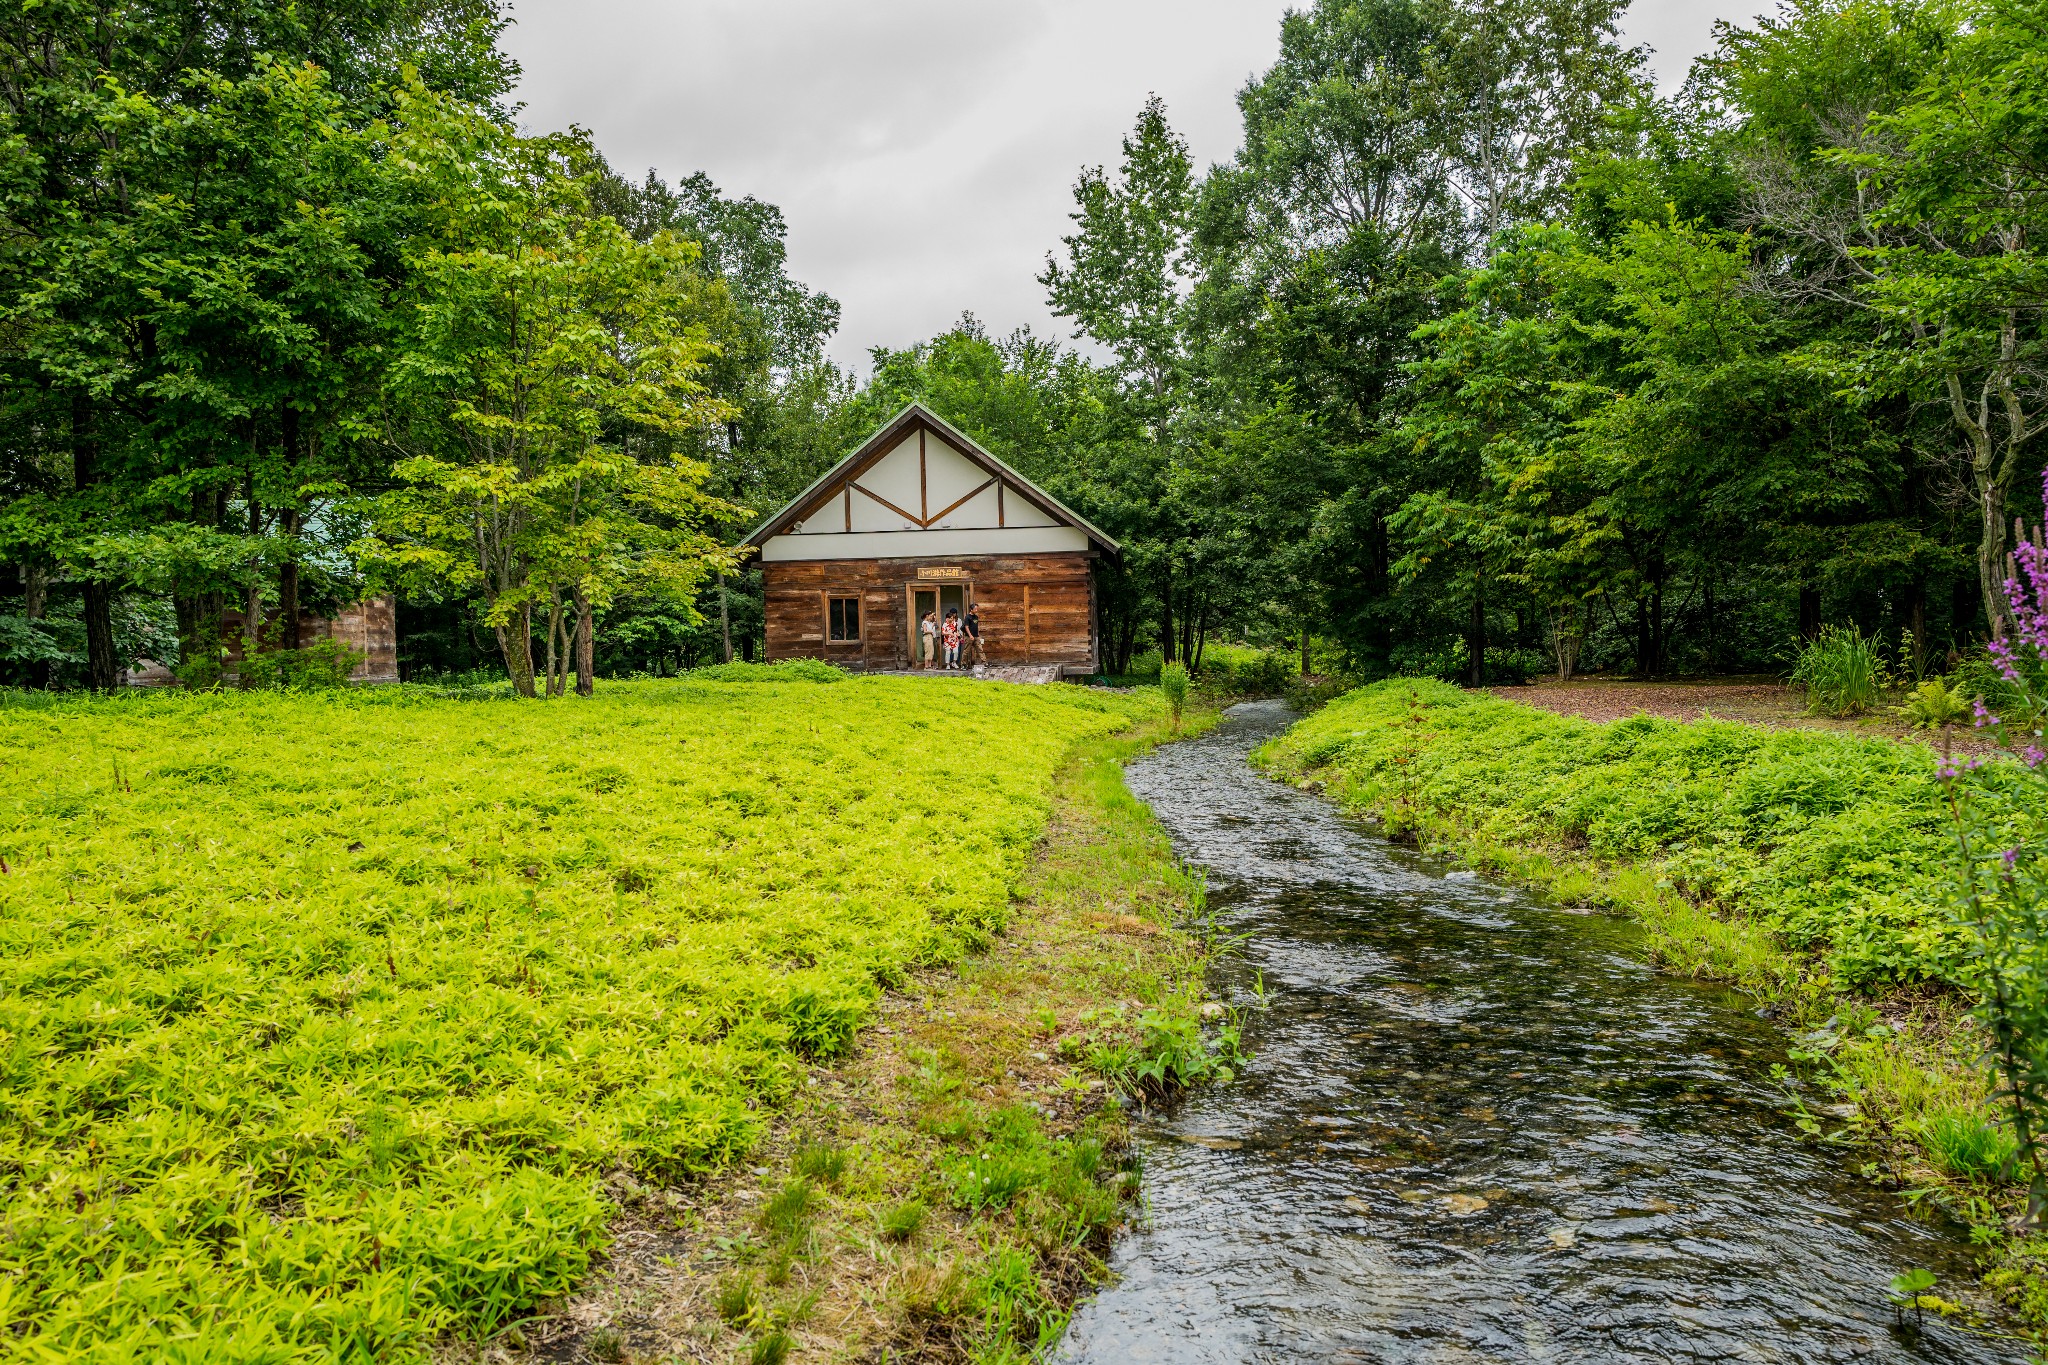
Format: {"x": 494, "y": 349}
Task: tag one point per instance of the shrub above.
{"x": 785, "y": 670}
{"x": 320, "y": 666}
{"x": 1843, "y": 672}
{"x": 1146, "y": 663}
{"x": 1173, "y": 681}
{"x": 1933, "y": 705}
{"x": 1235, "y": 670}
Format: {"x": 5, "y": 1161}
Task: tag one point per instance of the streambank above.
{"x": 1479, "y": 1126}
{"x": 1807, "y": 870}
{"x": 951, "y": 1187}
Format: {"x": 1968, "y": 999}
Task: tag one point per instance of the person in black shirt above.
{"x": 972, "y": 623}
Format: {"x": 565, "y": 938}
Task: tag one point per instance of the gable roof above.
{"x": 910, "y": 419}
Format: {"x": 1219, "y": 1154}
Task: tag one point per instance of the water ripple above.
{"x": 1478, "y": 1130}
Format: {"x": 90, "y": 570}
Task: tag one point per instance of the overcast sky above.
{"x": 923, "y": 151}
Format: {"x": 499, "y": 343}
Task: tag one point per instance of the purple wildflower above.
{"x": 2012, "y": 857}
{"x": 1984, "y": 717}
{"x": 2032, "y": 756}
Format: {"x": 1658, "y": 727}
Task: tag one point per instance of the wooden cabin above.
{"x": 919, "y": 519}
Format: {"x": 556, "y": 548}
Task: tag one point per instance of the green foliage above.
{"x": 735, "y": 1299}
{"x": 1238, "y": 671}
{"x": 1935, "y": 705}
{"x": 1967, "y": 1146}
{"x": 329, "y": 1042}
{"x": 1842, "y": 672}
{"x": 822, "y": 1163}
{"x": 1160, "y": 1052}
{"x": 788, "y": 1211}
{"x": 1837, "y": 844}
{"x": 1173, "y": 683}
{"x": 900, "y": 1222}
{"x": 321, "y": 666}
{"x": 1010, "y": 1160}
{"x": 787, "y": 670}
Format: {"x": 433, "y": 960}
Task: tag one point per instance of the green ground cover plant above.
{"x": 326, "y": 1019}
{"x": 980, "y": 1130}
{"x": 1838, "y": 845}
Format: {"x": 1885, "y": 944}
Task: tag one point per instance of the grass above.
{"x": 1842, "y": 672}
{"x": 1806, "y": 867}
{"x": 335, "y": 1025}
{"x": 1832, "y": 845}
{"x": 986, "y": 1163}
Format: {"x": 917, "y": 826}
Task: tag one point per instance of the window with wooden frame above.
{"x": 842, "y": 618}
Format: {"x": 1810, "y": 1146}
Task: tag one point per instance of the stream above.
{"x": 1479, "y": 1128}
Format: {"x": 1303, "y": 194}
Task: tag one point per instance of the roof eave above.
{"x": 1051, "y": 505}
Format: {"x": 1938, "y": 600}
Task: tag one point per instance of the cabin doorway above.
{"x": 938, "y": 597}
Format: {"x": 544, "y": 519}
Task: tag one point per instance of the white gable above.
{"x": 923, "y": 484}
{"x": 925, "y": 495}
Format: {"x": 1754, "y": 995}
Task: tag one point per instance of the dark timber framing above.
{"x": 1034, "y": 581}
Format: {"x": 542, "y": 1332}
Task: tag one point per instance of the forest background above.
{"x": 1479, "y": 359}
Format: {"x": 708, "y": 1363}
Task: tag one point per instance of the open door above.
{"x": 922, "y": 601}
{"x": 940, "y": 598}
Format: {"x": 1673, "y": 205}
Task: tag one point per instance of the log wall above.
{"x": 1035, "y": 609}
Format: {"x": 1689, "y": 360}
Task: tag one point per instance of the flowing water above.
{"x": 1479, "y": 1128}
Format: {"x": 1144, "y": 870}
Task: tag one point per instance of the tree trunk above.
{"x": 1809, "y": 613}
{"x": 1166, "y": 640}
{"x": 1475, "y": 631}
{"x": 515, "y": 642}
{"x": 1659, "y": 662}
{"x": 1916, "y": 621}
{"x": 1993, "y": 465}
{"x": 35, "y": 601}
{"x": 288, "y": 588}
{"x": 252, "y": 596}
{"x": 1565, "y": 638}
{"x": 586, "y": 644}
{"x": 252, "y": 624}
{"x": 1991, "y": 557}
{"x": 102, "y": 668}
{"x": 1713, "y": 616}
{"x": 724, "y": 623}
{"x": 1962, "y": 612}
{"x": 288, "y": 522}
{"x": 557, "y": 657}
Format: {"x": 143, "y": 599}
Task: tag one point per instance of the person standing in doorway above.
{"x": 949, "y": 634}
{"x": 971, "y": 623}
{"x": 928, "y": 634}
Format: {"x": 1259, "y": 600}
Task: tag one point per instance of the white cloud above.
{"x": 923, "y": 151}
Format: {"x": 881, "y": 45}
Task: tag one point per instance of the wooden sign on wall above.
{"x": 940, "y": 571}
